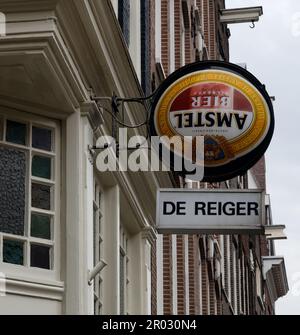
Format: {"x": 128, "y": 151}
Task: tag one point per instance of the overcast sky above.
{"x": 272, "y": 53}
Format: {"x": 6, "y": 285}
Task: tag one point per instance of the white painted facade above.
{"x": 55, "y": 56}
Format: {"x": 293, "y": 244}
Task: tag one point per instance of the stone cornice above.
{"x": 93, "y": 113}
{"x": 149, "y": 234}
{"x": 11, "y": 6}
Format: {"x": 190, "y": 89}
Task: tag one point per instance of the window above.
{"x": 239, "y": 290}
{"x": 157, "y": 31}
{"x": 124, "y": 18}
{"x": 27, "y": 192}
{"x": 182, "y": 43}
{"x": 171, "y": 11}
{"x": 145, "y": 47}
{"x": 227, "y": 273}
{"x": 200, "y": 286}
{"x": 258, "y": 276}
{"x": 233, "y": 275}
{"x": 244, "y": 287}
{"x": 98, "y": 248}
{"x": 124, "y": 274}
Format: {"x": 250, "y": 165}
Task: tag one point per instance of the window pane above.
{"x": 1, "y": 129}
{"x": 40, "y": 256}
{"x": 42, "y": 138}
{"x": 13, "y": 252}
{"x": 124, "y": 18}
{"x": 41, "y": 167}
{"x": 41, "y": 196}
{"x": 41, "y": 226}
{"x": 16, "y": 132}
{"x": 12, "y": 191}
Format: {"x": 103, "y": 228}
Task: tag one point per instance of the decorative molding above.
{"x": 274, "y": 273}
{"x": 35, "y": 289}
{"x": 46, "y": 60}
{"x": 149, "y": 234}
{"x": 11, "y": 6}
{"x": 93, "y": 113}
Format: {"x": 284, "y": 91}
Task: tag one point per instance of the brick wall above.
{"x": 177, "y": 23}
{"x": 165, "y": 35}
{"x": 259, "y": 172}
{"x": 192, "y": 275}
{"x": 153, "y": 280}
{"x": 212, "y": 297}
{"x": 188, "y": 39}
{"x": 181, "y": 266}
{"x": 167, "y": 275}
{"x": 205, "y": 288}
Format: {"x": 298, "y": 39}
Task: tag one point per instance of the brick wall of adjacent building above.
{"x": 177, "y": 32}
{"x": 181, "y": 270}
{"x": 153, "y": 280}
{"x": 188, "y": 37}
{"x": 167, "y": 275}
{"x": 165, "y": 29}
{"x": 205, "y": 288}
{"x": 216, "y": 34}
{"x": 259, "y": 173}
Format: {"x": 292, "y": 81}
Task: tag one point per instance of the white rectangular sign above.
{"x": 187, "y": 211}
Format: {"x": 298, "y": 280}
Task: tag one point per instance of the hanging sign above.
{"x": 188, "y": 211}
{"x": 226, "y": 105}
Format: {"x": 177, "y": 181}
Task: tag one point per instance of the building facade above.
{"x": 74, "y": 240}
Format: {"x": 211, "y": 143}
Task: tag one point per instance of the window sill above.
{"x": 43, "y": 289}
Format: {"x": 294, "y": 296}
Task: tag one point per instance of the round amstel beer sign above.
{"x": 226, "y": 105}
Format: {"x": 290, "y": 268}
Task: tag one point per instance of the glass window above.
{"x": 26, "y": 204}
{"x": 13, "y": 252}
{"x": 41, "y": 167}
{"x": 42, "y": 138}
{"x": 40, "y": 256}
{"x": 1, "y": 129}
{"x": 124, "y": 18}
{"x": 16, "y": 132}
{"x": 12, "y": 190}
{"x": 40, "y": 226}
{"x": 41, "y": 196}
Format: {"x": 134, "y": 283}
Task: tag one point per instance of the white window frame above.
{"x": 115, "y": 6}
{"x": 158, "y": 31}
{"x": 26, "y": 271}
{"x": 182, "y": 42}
{"x": 187, "y": 278}
{"x": 135, "y": 37}
{"x": 235, "y": 293}
{"x": 258, "y": 278}
{"x": 98, "y": 238}
{"x": 159, "y": 271}
{"x": 200, "y": 284}
{"x": 171, "y": 20}
{"x": 124, "y": 243}
{"x": 174, "y": 274}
